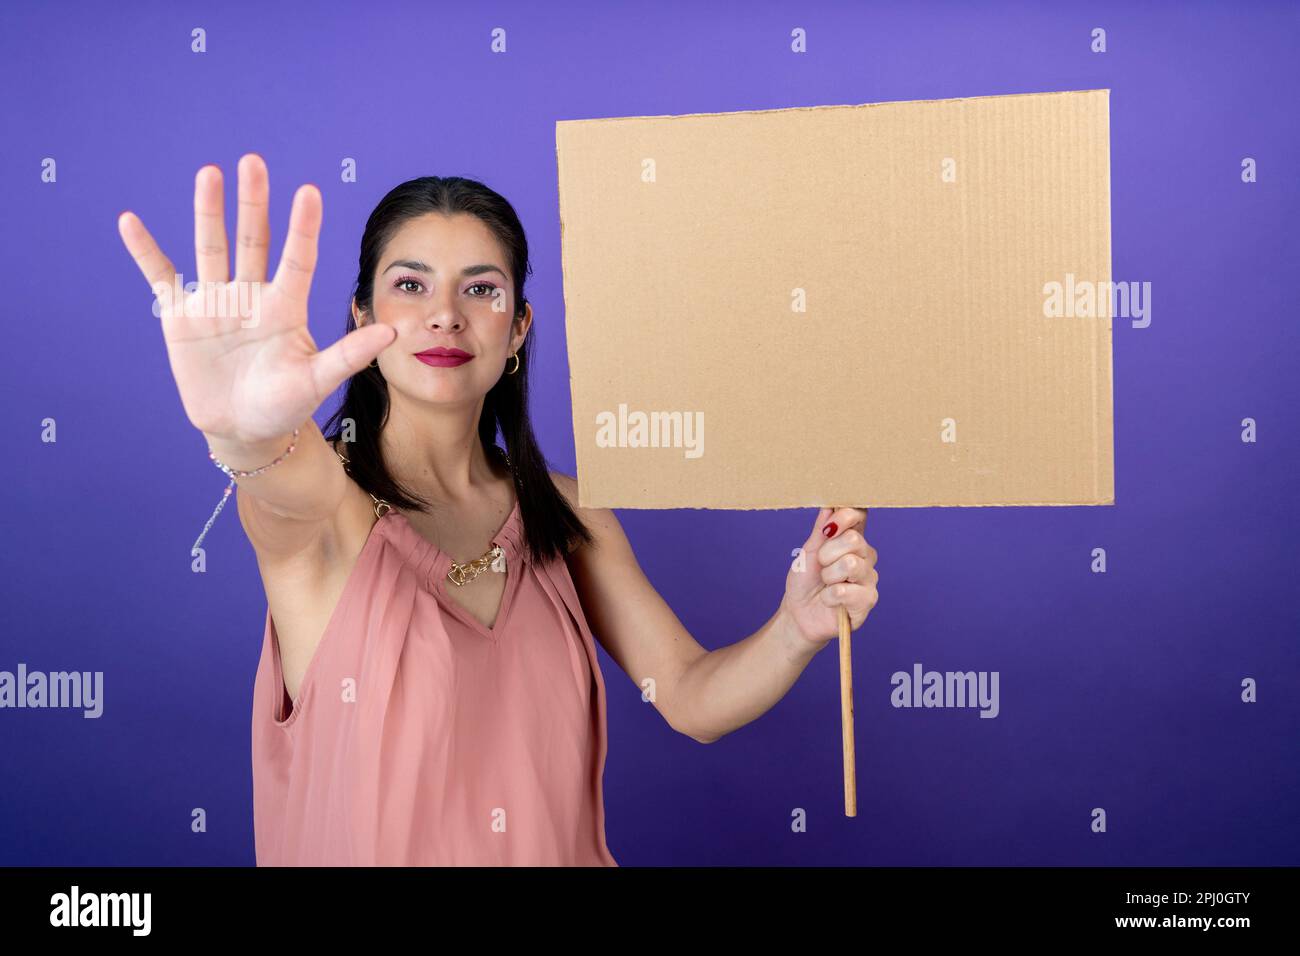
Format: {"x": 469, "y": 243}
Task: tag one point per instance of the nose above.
{"x": 444, "y": 315}
{"x": 451, "y": 323}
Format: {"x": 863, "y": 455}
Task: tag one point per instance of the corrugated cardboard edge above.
{"x": 829, "y": 106}
{"x": 1110, "y": 319}
{"x": 564, "y": 297}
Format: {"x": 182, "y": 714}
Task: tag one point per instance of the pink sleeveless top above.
{"x": 420, "y": 737}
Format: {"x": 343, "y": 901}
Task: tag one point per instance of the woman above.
{"x": 428, "y": 691}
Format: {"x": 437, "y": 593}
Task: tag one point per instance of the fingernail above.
{"x": 830, "y": 529}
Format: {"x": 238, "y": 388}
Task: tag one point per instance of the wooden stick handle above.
{"x": 846, "y": 716}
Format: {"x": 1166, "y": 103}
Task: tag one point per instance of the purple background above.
{"x": 1119, "y": 690}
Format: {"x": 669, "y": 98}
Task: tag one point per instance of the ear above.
{"x": 358, "y": 315}
{"x": 522, "y": 324}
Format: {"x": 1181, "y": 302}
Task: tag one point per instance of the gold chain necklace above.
{"x": 459, "y": 574}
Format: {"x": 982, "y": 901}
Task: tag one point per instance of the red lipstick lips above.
{"x": 443, "y": 358}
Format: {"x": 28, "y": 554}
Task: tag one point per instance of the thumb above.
{"x": 822, "y": 517}
{"x": 349, "y": 355}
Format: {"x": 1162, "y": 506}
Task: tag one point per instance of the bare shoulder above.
{"x": 606, "y": 530}
{"x": 568, "y": 486}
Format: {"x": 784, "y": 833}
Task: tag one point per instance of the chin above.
{"x": 440, "y": 390}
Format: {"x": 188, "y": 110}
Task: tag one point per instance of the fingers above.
{"x": 348, "y": 356}
{"x": 298, "y": 261}
{"x": 858, "y": 599}
{"x": 211, "y": 252}
{"x": 253, "y": 232}
{"x": 156, "y": 267}
{"x": 843, "y": 519}
{"x": 848, "y": 563}
{"x": 846, "y": 555}
{"x": 848, "y": 542}
{"x": 816, "y": 538}
{"x": 845, "y": 527}
{"x": 859, "y": 566}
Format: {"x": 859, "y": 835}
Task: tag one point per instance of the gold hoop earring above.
{"x": 515, "y": 356}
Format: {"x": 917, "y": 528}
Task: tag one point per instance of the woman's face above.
{"x": 443, "y": 282}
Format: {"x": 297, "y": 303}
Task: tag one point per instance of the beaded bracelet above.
{"x": 233, "y": 474}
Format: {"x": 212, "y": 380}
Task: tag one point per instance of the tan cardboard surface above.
{"x": 919, "y": 239}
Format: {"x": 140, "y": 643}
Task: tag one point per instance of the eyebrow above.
{"x": 419, "y": 266}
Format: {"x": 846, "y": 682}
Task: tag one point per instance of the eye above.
{"x": 484, "y": 285}
{"x": 404, "y": 281}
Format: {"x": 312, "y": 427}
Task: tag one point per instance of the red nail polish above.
{"x": 830, "y": 529}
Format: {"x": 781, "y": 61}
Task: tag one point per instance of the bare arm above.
{"x": 306, "y": 485}
{"x": 278, "y": 533}
{"x": 703, "y": 694}
{"x": 735, "y": 684}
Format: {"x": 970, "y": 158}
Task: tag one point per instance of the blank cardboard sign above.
{"x": 886, "y": 305}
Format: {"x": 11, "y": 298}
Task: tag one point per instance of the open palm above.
{"x": 245, "y": 364}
